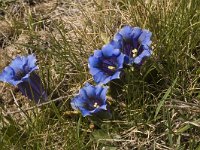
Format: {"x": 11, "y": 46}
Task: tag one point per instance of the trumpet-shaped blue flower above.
{"x": 106, "y": 64}
{"x": 21, "y": 73}
{"x": 90, "y": 100}
{"x": 134, "y": 43}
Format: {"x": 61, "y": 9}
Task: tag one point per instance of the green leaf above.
{"x": 161, "y": 103}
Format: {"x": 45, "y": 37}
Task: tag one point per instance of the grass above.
{"x": 159, "y": 104}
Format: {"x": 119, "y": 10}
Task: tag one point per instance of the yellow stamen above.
{"x": 111, "y": 67}
{"x": 96, "y": 105}
{"x": 134, "y": 51}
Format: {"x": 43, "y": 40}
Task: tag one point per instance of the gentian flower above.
{"x": 91, "y": 100}
{"x": 134, "y": 43}
{"x": 21, "y": 73}
{"x": 106, "y": 64}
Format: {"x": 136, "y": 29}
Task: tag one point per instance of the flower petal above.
{"x": 116, "y": 44}
{"x": 99, "y": 89}
{"x": 136, "y": 32}
{"x": 107, "y": 50}
{"x": 100, "y": 76}
{"x": 144, "y": 38}
{"x": 7, "y": 74}
{"x": 31, "y": 61}
{"x": 107, "y": 79}
{"x": 82, "y": 93}
{"x": 120, "y": 60}
{"x": 103, "y": 93}
{"x": 98, "y": 53}
{"x": 90, "y": 91}
{"x": 85, "y": 112}
{"x": 18, "y": 63}
{"x": 118, "y": 37}
{"x": 33, "y": 89}
{"x": 93, "y": 61}
{"x": 116, "y": 75}
{"x": 102, "y": 107}
{"x": 144, "y": 54}
{"x": 126, "y": 32}
{"x": 94, "y": 70}
{"x": 77, "y": 102}
{"x": 116, "y": 52}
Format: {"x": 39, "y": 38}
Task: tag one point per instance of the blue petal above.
{"x": 116, "y": 44}
{"x": 93, "y": 61}
{"x": 18, "y": 63}
{"x": 144, "y": 54}
{"x": 145, "y": 37}
{"x": 82, "y": 93}
{"x": 126, "y": 59}
{"x": 136, "y": 32}
{"x": 87, "y": 84}
{"x": 26, "y": 77}
{"x": 7, "y": 74}
{"x": 126, "y": 32}
{"x": 138, "y": 60}
{"x": 98, "y": 90}
{"x": 31, "y": 61}
{"x": 98, "y": 53}
{"x": 103, "y": 94}
{"x": 85, "y": 112}
{"x": 118, "y": 37}
{"x": 120, "y": 60}
{"x": 77, "y": 102}
{"x": 15, "y": 83}
{"x": 117, "y": 41}
{"x": 37, "y": 87}
{"x": 116, "y": 75}
{"x": 90, "y": 91}
{"x": 102, "y": 107}
{"x": 33, "y": 69}
{"x": 99, "y": 77}
{"x": 33, "y": 89}
{"x": 116, "y": 52}
{"x": 106, "y": 80}
{"x": 107, "y": 50}
{"x": 94, "y": 70}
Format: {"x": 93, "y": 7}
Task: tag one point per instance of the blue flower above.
{"x": 106, "y": 64}
{"x": 21, "y": 73}
{"x": 134, "y": 43}
{"x": 90, "y": 100}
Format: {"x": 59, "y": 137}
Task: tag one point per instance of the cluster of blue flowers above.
{"x": 130, "y": 46}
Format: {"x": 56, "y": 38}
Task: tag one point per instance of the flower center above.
{"x": 19, "y": 74}
{"x": 134, "y": 51}
{"x": 96, "y": 105}
{"x": 109, "y": 65}
{"x": 111, "y": 68}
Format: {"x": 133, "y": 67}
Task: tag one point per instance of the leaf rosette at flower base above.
{"x": 21, "y": 73}
{"x": 91, "y": 100}
{"x": 106, "y": 64}
{"x": 134, "y": 42}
